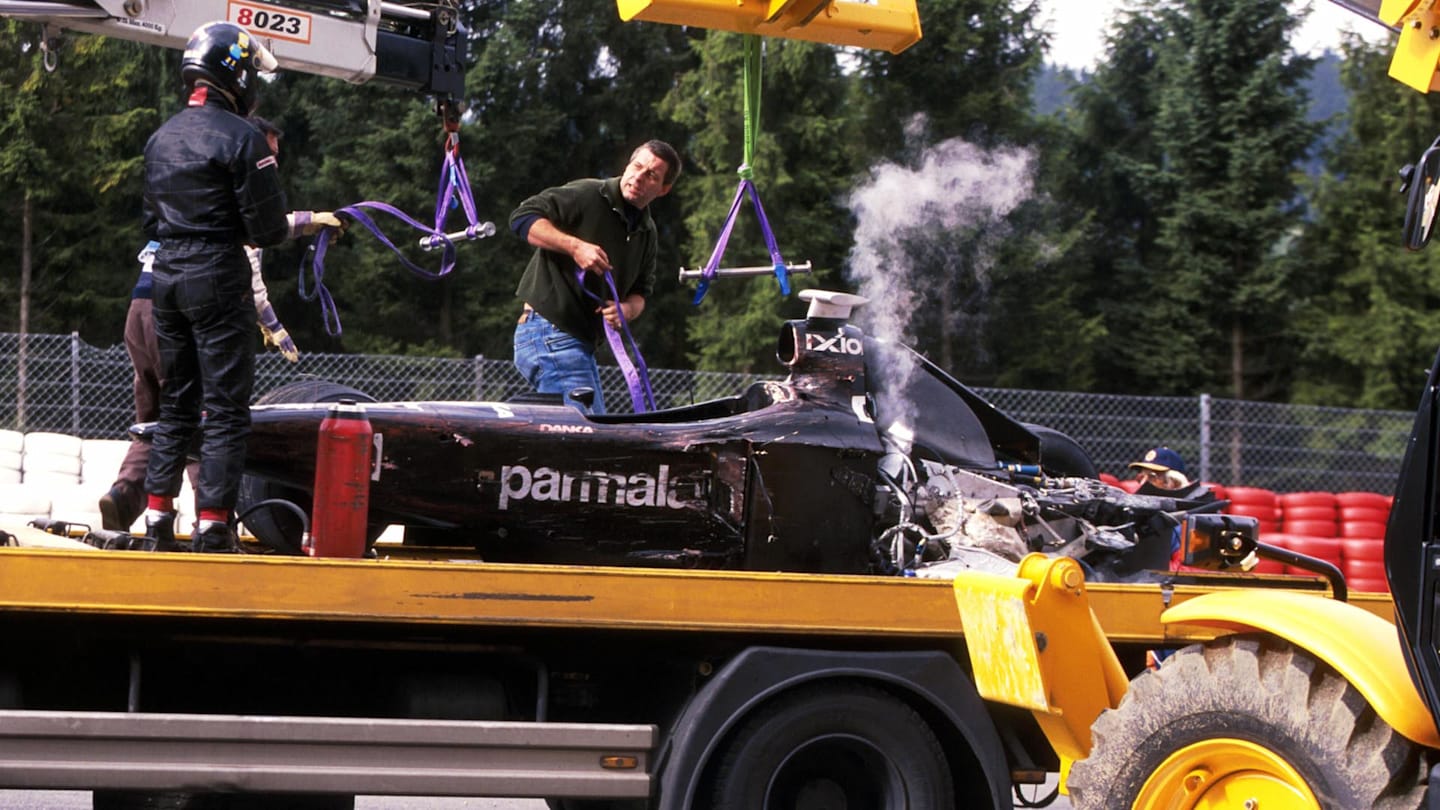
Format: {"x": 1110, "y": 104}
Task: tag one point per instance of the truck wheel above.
{"x": 849, "y": 746}
{"x": 274, "y": 526}
{"x": 1245, "y": 718}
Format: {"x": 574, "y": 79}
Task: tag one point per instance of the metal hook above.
{"x": 48, "y": 43}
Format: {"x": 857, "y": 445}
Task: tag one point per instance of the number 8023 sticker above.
{"x": 266, "y": 21}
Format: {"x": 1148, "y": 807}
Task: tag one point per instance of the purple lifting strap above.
{"x": 708, "y": 274}
{"x": 454, "y": 192}
{"x": 637, "y": 374}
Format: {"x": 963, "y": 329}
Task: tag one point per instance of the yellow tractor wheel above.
{"x": 1245, "y": 722}
{"x": 1225, "y": 773}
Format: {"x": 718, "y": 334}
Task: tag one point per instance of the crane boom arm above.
{"x": 417, "y": 48}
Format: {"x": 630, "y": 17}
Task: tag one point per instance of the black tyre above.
{"x": 275, "y": 526}
{"x": 834, "y": 747}
{"x": 1245, "y": 715}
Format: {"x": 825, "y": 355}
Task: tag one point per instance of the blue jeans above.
{"x": 553, "y": 362}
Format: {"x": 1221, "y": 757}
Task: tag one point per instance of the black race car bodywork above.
{"x": 867, "y": 458}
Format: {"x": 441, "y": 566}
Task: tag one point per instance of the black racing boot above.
{"x": 214, "y": 537}
{"x": 160, "y": 530}
{"x": 121, "y": 506}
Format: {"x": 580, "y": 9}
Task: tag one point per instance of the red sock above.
{"x": 160, "y": 503}
{"x": 217, "y": 515}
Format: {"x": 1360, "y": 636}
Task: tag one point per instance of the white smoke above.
{"x": 909, "y": 218}
{"x": 956, "y": 186}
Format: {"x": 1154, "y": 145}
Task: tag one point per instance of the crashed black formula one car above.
{"x": 866, "y": 459}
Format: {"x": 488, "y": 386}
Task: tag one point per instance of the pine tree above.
{"x": 1232, "y": 127}
{"x": 1368, "y": 323}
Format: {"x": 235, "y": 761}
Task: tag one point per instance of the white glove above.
{"x": 275, "y": 335}
{"x": 309, "y": 223}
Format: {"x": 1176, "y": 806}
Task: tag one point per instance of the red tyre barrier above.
{"x": 1362, "y": 528}
{"x": 1311, "y": 528}
{"x": 1129, "y": 486}
{"x": 1371, "y": 499}
{"x": 1289, "y": 513}
{"x": 1368, "y": 513}
{"x": 1268, "y": 513}
{"x": 1251, "y": 495}
{"x": 1367, "y": 585}
{"x": 1362, "y": 548}
{"x": 1298, "y": 499}
{"x": 1218, "y": 489}
{"x": 1364, "y": 569}
{"x": 1325, "y": 548}
{"x": 1271, "y": 566}
{"x": 1110, "y": 479}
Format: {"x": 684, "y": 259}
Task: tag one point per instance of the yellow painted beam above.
{"x": 887, "y": 25}
{"x": 459, "y": 592}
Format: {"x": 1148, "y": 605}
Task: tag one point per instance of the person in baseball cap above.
{"x": 1161, "y": 468}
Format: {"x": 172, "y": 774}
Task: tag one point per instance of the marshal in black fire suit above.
{"x": 211, "y": 187}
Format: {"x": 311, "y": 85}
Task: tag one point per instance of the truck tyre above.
{"x": 1245, "y": 717}
{"x": 274, "y": 526}
{"x": 845, "y": 745}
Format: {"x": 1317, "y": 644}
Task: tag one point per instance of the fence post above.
{"x": 74, "y": 383}
{"x": 479, "y": 364}
{"x": 1205, "y": 437}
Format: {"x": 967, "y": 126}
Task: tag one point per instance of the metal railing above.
{"x": 59, "y": 383}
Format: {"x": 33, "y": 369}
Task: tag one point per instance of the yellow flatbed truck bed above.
{"x": 464, "y": 592}
{"x": 270, "y": 675}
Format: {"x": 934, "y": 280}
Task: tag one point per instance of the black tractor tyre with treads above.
{"x": 274, "y": 526}
{"x": 1264, "y": 691}
{"x": 833, "y": 745}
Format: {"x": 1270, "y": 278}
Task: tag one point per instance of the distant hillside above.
{"x": 1328, "y": 103}
{"x": 1053, "y": 86}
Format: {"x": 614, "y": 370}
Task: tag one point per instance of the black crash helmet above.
{"x": 228, "y": 57}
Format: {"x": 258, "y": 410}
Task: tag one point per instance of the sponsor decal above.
{"x": 519, "y": 482}
{"x": 268, "y": 160}
{"x": 566, "y": 429}
{"x": 839, "y": 343}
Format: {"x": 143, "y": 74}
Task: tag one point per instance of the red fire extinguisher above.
{"x": 342, "y": 483}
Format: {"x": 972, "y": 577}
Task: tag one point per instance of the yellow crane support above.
{"x": 1418, "y": 52}
{"x": 887, "y": 25}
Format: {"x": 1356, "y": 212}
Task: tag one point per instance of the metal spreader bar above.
{"x": 478, "y": 231}
{"x": 756, "y": 270}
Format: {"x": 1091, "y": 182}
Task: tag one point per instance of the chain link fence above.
{"x": 59, "y": 383}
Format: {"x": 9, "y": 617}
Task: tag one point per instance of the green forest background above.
{"x": 1179, "y": 221}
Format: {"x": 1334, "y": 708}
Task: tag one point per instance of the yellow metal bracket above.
{"x": 887, "y": 25}
{"x": 1034, "y": 643}
{"x": 1418, "y": 53}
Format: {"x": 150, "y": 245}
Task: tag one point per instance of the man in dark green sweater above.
{"x": 596, "y": 226}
